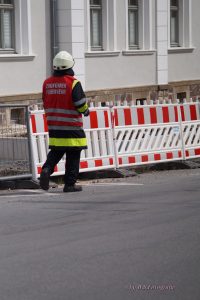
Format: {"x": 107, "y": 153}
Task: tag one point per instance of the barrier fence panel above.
{"x": 127, "y": 135}
{"x": 15, "y": 150}
{"x": 190, "y": 113}
{"x": 98, "y": 129}
{"x": 147, "y": 134}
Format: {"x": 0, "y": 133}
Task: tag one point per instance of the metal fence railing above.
{"x": 15, "y": 150}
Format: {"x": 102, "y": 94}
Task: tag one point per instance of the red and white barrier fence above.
{"x": 149, "y": 134}
{"x": 127, "y": 135}
{"x": 98, "y": 129}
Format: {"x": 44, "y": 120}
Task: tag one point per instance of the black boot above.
{"x": 72, "y": 188}
{"x": 44, "y": 179}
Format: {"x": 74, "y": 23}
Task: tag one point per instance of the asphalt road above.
{"x": 134, "y": 239}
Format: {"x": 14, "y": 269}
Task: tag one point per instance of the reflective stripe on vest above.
{"x": 66, "y": 142}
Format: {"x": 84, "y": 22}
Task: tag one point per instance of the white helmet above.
{"x": 63, "y": 61}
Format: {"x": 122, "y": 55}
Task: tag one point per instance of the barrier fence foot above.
{"x": 27, "y": 184}
{"x": 122, "y": 173}
{"x": 192, "y": 164}
{"x": 19, "y": 184}
{"x": 175, "y": 165}
{"x": 118, "y": 173}
{"x": 7, "y": 185}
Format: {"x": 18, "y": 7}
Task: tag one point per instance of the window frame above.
{"x": 175, "y": 9}
{"x": 145, "y": 29}
{"x": 132, "y": 8}
{"x": 22, "y": 33}
{"x": 185, "y": 28}
{"x": 10, "y": 7}
{"x": 98, "y": 8}
{"x": 109, "y": 30}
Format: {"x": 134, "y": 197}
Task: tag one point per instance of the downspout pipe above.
{"x": 54, "y": 28}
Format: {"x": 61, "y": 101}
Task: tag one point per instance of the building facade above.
{"x": 124, "y": 49}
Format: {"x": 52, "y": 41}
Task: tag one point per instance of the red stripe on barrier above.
{"x": 127, "y": 116}
{"x": 153, "y": 115}
{"x": 176, "y": 113}
{"x": 157, "y": 156}
{"x": 33, "y": 122}
{"x": 140, "y": 113}
{"x": 179, "y": 153}
{"x": 145, "y": 158}
{"x": 111, "y": 161}
{"x": 106, "y": 119}
{"x": 193, "y": 112}
{"x": 120, "y": 161}
{"x": 93, "y": 119}
{"x": 84, "y": 164}
{"x": 165, "y": 112}
{"x": 169, "y": 155}
{"x": 98, "y": 163}
{"x": 56, "y": 168}
{"x": 116, "y": 121}
{"x": 39, "y": 170}
{"x": 131, "y": 159}
{"x": 187, "y": 153}
{"x": 182, "y": 113}
{"x": 197, "y": 151}
{"x": 45, "y": 123}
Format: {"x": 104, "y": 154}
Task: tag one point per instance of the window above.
{"x": 181, "y": 96}
{"x": 174, "y": 23}
{"x": 101, "y": 34}
{"x": 180, "y": 20}
{"x": 15, "y": 29}
{"x": 6, "y": 26}
{"x": 96, "y": 24}
{"x": 133, "y": 34}
{"x": 139, "y": 27}
{"x": 141, "y": 101}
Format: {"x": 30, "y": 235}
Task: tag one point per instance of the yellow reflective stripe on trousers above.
{"x": 83, "y": 108}
{"x": 67, "y": 142}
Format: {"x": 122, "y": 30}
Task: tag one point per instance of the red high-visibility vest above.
{"x": 58, "y": 104}
{"x": 64, "y": 121}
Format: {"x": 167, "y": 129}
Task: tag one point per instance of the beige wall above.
{"x": 120, "y": 71}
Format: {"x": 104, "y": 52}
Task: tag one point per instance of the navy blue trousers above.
{"x": 71, "y": 165}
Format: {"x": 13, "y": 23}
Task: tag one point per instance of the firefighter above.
{"x": 64, "y": 104}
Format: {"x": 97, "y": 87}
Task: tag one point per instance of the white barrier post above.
{"x": 114, "y": 138}
{"x": 181, "y": 131}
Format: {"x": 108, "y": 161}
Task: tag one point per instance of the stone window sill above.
{"x": 181, "y": 49}
{"x": 101, "y": 53}
{"x": 138, "y": 52}
{"x": 16, "y": 57}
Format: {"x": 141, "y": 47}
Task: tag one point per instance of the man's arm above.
{"x": 79, "y": 98}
